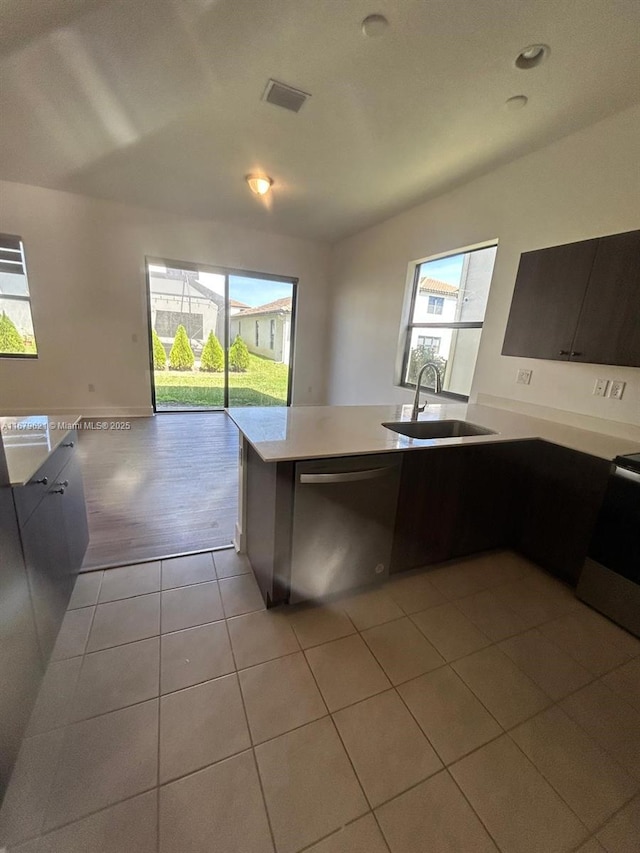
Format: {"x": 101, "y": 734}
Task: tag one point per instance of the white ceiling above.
{"x": 158, "y": 102}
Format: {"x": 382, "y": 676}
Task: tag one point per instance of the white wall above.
{"x": 85, "y": 261}
{"x": 585, "y": 185}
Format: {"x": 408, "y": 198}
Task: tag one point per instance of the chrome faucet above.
{"x": 417, "y": 408}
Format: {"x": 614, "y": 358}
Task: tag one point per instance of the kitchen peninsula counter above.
{"x": 280, "y": 434}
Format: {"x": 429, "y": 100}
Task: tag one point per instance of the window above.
{"x": 429, "y": 343}
{"x": 167, "y": 323}
{"x": 257, "y": 333}
{"x": 17, "y": 337}
{"x": 272, "y": 334}
{"x": 455, "y": 288}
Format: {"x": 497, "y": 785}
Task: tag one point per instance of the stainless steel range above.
{"x": 610, "y": 579}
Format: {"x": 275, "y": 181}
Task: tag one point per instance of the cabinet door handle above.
{"x": 43, "y": 482}
{"x": 68, "y": 444}
{"x": 56, "y": 492}
{"x": 564, "y": 352}
{"x": 573, "y": 352}
{"x": 63, "y": 483}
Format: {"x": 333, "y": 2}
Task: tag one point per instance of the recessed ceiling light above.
{"x": 259, "y": 184}
{"x": 517, "y": 102}
{"x": 532, "y": 56}
{"x": 374, "y": 26}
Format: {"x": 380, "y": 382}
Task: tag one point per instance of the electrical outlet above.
{"x": 617, "y": 389}
{"x": 600, "y": 388}
{"x": 91, "y": 388}
{"x": 523, "y": 377}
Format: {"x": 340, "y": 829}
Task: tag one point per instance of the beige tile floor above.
{"x": 476, "y": 706}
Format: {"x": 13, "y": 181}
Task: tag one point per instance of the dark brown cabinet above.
{"x": 21, "y": 666}
{"x": 609, "y": 327}
{"x": 559, "y": 494}
{"x": 427, "y": 508}
{"x": 54, "y": 541}
{"x": 453, "y": 502}
{"x": 578, "y": 302}
{"x": 54, "y": 531}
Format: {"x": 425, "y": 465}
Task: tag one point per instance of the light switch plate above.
{"x": 600, "y": 388}
{"x": 523, "y": 377}
{"x": 617, "y": 389}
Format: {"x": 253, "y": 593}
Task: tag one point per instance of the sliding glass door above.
{"x": 219, "y": 337}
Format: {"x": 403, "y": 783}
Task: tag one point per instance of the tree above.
{"x": 421, "y": 355}
{"x": 159, "y": 355}
{"x": 238, "y": 355}
{"x": 212, "y": 358}
{"x": 181, "y": 356}
{"x": 10, "y": 338}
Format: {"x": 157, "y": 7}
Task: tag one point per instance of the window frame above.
{"x": 413, "y": 279}
{"x": 18, "y": 298}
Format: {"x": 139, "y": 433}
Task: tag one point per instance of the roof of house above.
{"x": 280, "y": 306}
{"x": 433, "y": 285}
{"x": 235, "y": 304}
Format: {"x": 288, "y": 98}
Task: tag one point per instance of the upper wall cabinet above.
{"x": 579, "y": 302}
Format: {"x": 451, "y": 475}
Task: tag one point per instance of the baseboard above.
{"x": 85, "y": 412}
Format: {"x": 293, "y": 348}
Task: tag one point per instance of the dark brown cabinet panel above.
{"x": 547, "y": 299}
{"x": 579, "y": 302}
{"x": 609, "y": 326}
{"x": 560, "y": 492}
{"x": 487, "y": 502}
{"x": 20, "y": 663}
{"x": 427, "y": 508}
{"x": 269, "y": 512}
{"x": 54, "y": 541}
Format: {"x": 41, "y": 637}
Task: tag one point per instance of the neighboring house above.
{"x": 266, "y": 329}
{"x": 178, "y": 298}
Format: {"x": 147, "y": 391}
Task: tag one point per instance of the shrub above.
{"x": 181, "y": 356}
{"x": 212, "y": 358}
{"x": 238, "y": 355}
{"x": 421, "y": 355}
{"x": 10, "y": 338}
{"x": 159, "y": 355}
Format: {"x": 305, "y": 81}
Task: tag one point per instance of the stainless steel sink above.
{"x": 437, "y": 429}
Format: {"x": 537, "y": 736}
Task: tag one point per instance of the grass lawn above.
{"x": 263, "y": 384}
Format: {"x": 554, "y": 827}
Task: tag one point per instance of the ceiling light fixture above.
{"x": 532, "y": 56}
{"x": 374, "y": 26}
{"x": 259, "y": 184}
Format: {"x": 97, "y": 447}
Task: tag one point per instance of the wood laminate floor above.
{"x": 169, "y": 485}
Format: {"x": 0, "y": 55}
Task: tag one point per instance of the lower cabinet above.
{"x": 21, "y": 666}
{"x": 54, "y": 541}
{"x": 559, "y": 494}
{"x": 454, "y": 501}
{"x": 538, "y": 498}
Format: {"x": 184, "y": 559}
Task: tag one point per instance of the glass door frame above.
{"x": 227, "y": 272}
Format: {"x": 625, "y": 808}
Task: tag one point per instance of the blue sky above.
{"x": 444, "y": 269}
{"x": 256, "y": 291}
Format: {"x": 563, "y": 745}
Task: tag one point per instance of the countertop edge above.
{"x": 347, "y": 443}
{"x": 58, "y": 426}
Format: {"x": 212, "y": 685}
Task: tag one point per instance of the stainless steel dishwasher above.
{"x": 344, "y": 513}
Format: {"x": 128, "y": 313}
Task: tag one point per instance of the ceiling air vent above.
{"x": 284, "y": 96}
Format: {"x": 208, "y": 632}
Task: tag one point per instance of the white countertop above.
{"x": 279, "y": 434}
{"x": 29, "y": 441}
